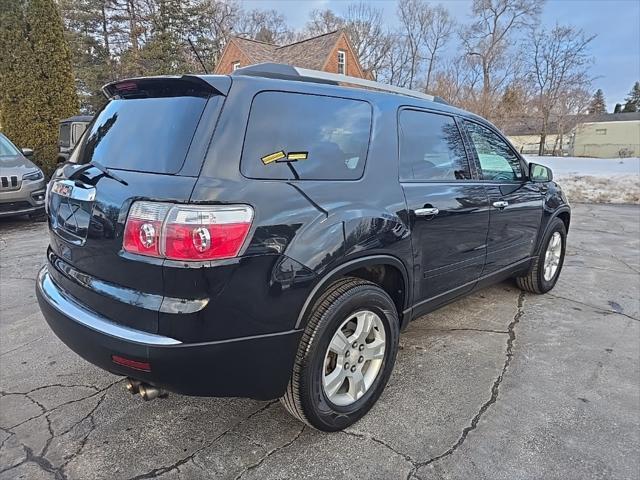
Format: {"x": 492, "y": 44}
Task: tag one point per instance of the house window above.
{"x": 235, "y": 66}
{"x": 342, "y": 62}
{"x": 601, "y": 131}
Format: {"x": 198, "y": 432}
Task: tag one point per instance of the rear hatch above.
{"x": 147, "y": 143}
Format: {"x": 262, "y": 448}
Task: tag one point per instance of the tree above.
{"x": 413, "y": 16}
{"x": 321, "y": 22}
{"x": 487, "y": 43}
{"x": 632, "y": 102}
{"x": 558, "y": 65}
{"x": 617, "y": 108}
{"x": 597, "y": 104}
{"x": 439, "y": 28}
{"x": 265, "y": 26}
{"x": 36, "y": 80}
{"x": 87, "y": 33}
{"x": 363, "y": 25}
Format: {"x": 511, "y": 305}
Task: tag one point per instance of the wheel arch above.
{"x": 387, "y": 271}
{"x": 564, "y": 214}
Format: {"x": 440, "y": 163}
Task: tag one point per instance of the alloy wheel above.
{"x": 354, "y": 358}
{"x": 552, "y": 256}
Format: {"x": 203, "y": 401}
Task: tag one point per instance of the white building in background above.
{"x": 607, "y": 136}
{"x": 610, "y": 135}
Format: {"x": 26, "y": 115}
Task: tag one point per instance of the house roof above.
{"x": 257, "y": 51}
{"x": 310, "y": 53}
{"x": 531, "y": 125}
{"x": 611, "y": 117}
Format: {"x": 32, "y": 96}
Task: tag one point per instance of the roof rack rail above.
{"x": 289, "y": 72}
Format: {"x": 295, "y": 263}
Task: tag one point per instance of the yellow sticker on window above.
{"x": 297, "y": 156}
{"x": 267, "y": 159}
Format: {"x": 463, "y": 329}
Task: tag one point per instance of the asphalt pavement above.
{"x": 499, "y": 385}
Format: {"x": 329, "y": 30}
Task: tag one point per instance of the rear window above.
{"x": 308, "y": 137}
{"x": 143, "y": 134}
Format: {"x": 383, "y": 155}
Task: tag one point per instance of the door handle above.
{"x": 426, "y": 212}
{"x": 500, "y": 204}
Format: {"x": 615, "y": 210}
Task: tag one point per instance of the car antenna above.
{"x": 193, "y": 47}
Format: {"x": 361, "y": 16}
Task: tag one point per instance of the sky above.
{"x": 616, "y": 24}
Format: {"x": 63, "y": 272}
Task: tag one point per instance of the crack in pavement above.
{"x": 40, "y": 459}
{"x": 486, "y": 330}
{"x": 594, "y": 307}
{"x": 495, "y": 389}
{"x": 174, "y": 466}
{"x": 20, "y": 347}
{"x": 44, "y": 410}
{"x": 610, "y": 255}
{"x": 269, "y": 453}
{"x": 592, "y": 267}
{"x": 383, "y": 443}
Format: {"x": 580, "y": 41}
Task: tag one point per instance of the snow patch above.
{"x": 595, "y": 180}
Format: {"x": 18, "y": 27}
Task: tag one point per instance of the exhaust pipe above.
{"x": 148, "y": 392}
{"x": 133, "y": 386}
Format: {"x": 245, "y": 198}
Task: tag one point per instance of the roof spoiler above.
{"x": 289, "y": 72}
{"x": 132, "y": 87}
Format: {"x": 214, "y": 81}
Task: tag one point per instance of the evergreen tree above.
{"x": 598, "y": 104}
{"x": 87, "y": 25}
{"x": 36, "y": 80}
{"x": 633, "y": 100}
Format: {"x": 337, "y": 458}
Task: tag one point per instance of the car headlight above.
{"x": 37, "y": 175}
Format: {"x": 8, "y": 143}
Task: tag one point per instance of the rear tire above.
{"x": 337, "y": 347}
{"x": 541, "y": 276}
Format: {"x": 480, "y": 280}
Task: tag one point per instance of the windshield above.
{"x": 7, "y": 149}
{"x": 142, "y": 134}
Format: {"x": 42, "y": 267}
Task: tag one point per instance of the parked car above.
{"x": 22, "y": 184}
{"x": 270, "y": 233}
{"x": 70, "y": 132}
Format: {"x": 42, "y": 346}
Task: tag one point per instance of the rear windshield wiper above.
{"x": 105, "y": 171}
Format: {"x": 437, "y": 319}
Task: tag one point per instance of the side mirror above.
{"x": 540, "y": 173}
{"x": 27, "y": 152}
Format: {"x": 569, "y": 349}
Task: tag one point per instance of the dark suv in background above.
{"x": 70, "y": 132}
{"x": 268, "y": 234}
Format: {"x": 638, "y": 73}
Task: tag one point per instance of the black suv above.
{"x": 268, "y": 234}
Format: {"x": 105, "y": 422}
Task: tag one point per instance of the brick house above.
{"x": 331, "y": 52}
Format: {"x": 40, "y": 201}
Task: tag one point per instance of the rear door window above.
{"x": 143, "y": 134}
{"x": 431, "y": 148}
{"x": 308, "y": 137}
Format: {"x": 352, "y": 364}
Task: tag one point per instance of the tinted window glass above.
{"x": 431, "y": 148}
{"x": 497, "y": 160}
{"x": 309, "y": 136}
{"x": 143, "y": 134}
{"x": 63, "y": 137}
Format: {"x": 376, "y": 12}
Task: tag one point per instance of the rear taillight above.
{"x": 186, "y": 232}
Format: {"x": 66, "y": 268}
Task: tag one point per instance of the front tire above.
{"x": 545, "y": 269}
{"x": 345, "y": 356}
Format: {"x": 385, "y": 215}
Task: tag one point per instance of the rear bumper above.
{"x": 256, "y": 367}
